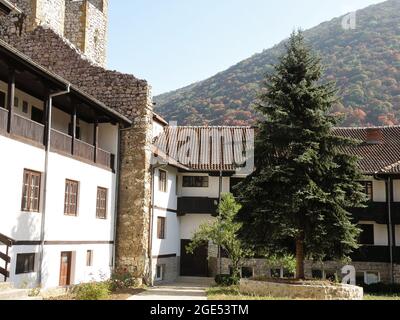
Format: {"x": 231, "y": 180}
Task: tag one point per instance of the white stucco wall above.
{"x": 157, "y": 129}
{"x": 85, "y": 228}
{"x": 397, "y": 235}
{"x": 396, "y": 190}
{"x": 190, "y": 223}
{"x": 379, "y": 190}
{"x": 211, "y": 192}
{"x": 381, "y": 237}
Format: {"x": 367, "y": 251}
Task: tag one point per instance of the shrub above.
{"x": 226, "y": 280}
{"x": 122, "y": 279}
{"x": 382, "y": 288}
{"x": 92, "y": 291}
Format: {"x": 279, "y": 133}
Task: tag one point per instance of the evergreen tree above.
{"x": 304, "y": 183}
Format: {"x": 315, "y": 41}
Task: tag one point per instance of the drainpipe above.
{"x": 389, "y": 188}
{"x": 46, "y": 169}
{"x": 116, "y": 207}
{"x": 219, "y": 201}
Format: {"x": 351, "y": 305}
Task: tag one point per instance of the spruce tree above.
{"x": 298, "y": 198}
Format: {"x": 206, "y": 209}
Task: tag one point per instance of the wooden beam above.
{"x": 95, "y": 139}
{"x": 73, "y": 125}
{"x": 47, "y": 120}
{"x": 5, "y": 257}
{"x": 10, "y": 97}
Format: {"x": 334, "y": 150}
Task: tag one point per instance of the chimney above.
{"x": 374, "y": 136}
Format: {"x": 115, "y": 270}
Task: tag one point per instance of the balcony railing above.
{"x": 197, "y": 205}
{"x": 28, "y": 129}
{"x": 373, "y": 254}
{"x": 61, "y": 142}
{"x": 3, "y": 119}
{"x": 375, "y": 211}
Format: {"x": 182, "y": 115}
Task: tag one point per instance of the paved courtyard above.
{"x": 181, "y": 290}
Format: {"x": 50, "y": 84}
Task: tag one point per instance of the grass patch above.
{"x": 233, "y": 293}
{"x": 382, "y": 297}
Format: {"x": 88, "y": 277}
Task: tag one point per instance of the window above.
{"x": 367, "y": 234}
{"x": 331, "y": 275}
{"x": 317, "y": 274}
{"x": 247, "y": 272}
{"x": 16, "y": 102}
{"x": 89, "y": 258}
{"x": 31, "y": 191}
{"x": 276, "y": 273}
{"x": 37, "y": 115}
{"x": 161, "y": 228}
{"x": 71, "y": 198}
{"x": 368, "y": 185}
{"x": 160, "y": 272}
{"x": 101, "y": 203}
{"x": 162, "y": 181}
{"x": 25, "y": 263}
{"x": 25, "y": 107}
{"x": 195, "y": 182}
{"x": 372, "y": 277}
{"x": 2, "y": 100}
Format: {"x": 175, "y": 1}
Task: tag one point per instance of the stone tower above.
{"x": 82, "y": 22}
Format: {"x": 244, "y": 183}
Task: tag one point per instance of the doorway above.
{"x": 65, "y": 269}
{"x": 196, "y": 264}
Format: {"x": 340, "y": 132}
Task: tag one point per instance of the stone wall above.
{"x": 171, "y": 269}
{"x": 83, "y": 23}
{"x": 301, "y": 292}
{"x": 129, "y": 96}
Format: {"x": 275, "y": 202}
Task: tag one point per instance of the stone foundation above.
{"x": 171, "y": 269}
{"x": 290, "y": 291}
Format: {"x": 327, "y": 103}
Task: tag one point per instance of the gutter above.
{"x": 116, "y": 206}
{"x": 46, "y": 173}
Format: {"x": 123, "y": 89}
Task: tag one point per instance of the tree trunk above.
{"x": 300, "y": 257}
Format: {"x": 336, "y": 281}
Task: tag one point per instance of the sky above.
{"x": 173, "y": 43}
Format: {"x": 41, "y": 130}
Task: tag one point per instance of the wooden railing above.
{"x": 83, "y": 150}
{"x": 61, "y": 141}
{"x": 3, "y": 119}
{"x": 8, "y": 242}
{"x": 26, "y": 128}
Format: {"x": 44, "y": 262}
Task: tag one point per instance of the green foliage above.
{"x": 285, "y": 261}
{"x": 224, "y": 232}
{"x": 365, "y": 63}
{"x": 92, "y": 291}
{"x": 122, "y": 279}
{"x": 304, "y": 181}
{"x": 226, "y": 280}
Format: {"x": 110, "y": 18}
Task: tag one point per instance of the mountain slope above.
{"x": 364, "y": 62}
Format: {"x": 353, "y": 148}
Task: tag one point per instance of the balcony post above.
{"x": 47, "y": 120}
{"x": 95, "y": 139}
{"x": 10, "y": 98}
{"x": 73, "y": 128}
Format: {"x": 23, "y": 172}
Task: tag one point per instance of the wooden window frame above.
{"x": 101, "y": 212}
{"x": 71, "y": 209}
{"x": 190, "y": 182}
{"x": 361, "y": 225}
{"x": 29, "y": 263}
{"x": 161, "y": 228}
{"x": 162, "y": 183}
{"x": 369, "y": 186}
{"x": 89, "y": 258}
{"x": 27, "y": 190}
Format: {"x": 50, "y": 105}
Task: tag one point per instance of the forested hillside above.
{"x": 365, "y": 63}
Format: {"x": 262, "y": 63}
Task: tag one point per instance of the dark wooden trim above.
{"x": 4, "y": 272}
{"x": 95, "y": 139}
{"x": 73, "y": 133}
{"x": 53, "y": 243}
{"x": 10, "y": 98}
{"x": 165, "y": 256}
{"x": 5, "y": 257}
{"x": 166, "y": 209}
{"x": 47, "y": 121}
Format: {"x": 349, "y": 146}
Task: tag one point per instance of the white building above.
{"x": 58, "y": 171}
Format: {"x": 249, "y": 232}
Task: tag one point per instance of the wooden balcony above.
{"x": 197, "y": 205}
{"x": 62, "y": 142}
{"x": 33, "y": 131}
{"x": 375, "y": 211}
{"x": 3, "y": 119}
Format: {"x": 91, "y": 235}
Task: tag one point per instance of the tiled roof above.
{"x": 379, "y": 157}
{"x": 207, "y": 148}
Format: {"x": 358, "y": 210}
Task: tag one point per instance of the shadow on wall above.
{"x": 27, "y": 233}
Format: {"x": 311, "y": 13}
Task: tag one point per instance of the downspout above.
{"x": 45, "y": 173}
{"x": 116, "y": 207}
{"x": 390, "y": 223}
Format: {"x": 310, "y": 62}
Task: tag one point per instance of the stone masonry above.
{"x": 83, "y": 22}
{"x": 123, "y": 92}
